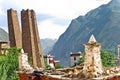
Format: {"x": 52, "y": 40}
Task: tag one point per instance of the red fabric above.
{"x": 114, "y": 78}
{"x": 36, "y": 78}
{"x": 51, "y": 61}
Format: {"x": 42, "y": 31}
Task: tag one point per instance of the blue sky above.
{"x": 53, "y": 16}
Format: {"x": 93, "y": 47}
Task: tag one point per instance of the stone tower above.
{"x": 14, "y": 29}
{"x": 92, "y": 64}
{"x": 118, "y": 58}
{"x": 30, "y": 38}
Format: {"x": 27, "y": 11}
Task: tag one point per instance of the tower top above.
{"x": 92, "y": 39}
{"x": 22, "y": 51}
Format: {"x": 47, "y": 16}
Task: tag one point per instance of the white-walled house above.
{"x": 74, "y": 57}
{"x": 50, "y": 61}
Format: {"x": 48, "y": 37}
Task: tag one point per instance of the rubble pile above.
{"x": 77, "y": 73}
{"x": 111, "y": 71}
{"x": 74, "y": 73}
{"x": 71, "y": 72}
{"x": 91, "y": 68}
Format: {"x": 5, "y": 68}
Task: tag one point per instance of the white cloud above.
{"x": 65, "y": 9}
{"x": 1, "y": 12}
{"x": 47, "y": 29}
{"x": 5, "y": 28}
{"x": 60, "y": 9}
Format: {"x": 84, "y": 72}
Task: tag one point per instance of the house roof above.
{"x": 48, "y": 56}
{"x": 75, "y": 54}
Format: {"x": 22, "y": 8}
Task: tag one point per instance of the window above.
{"x": 74, "y": 58}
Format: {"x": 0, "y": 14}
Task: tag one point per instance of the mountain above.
{"x": 47, "y": 45}
{"x": 103, "y": 22}
{"x": 3, "y": 35}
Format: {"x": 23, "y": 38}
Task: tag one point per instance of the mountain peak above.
{"x": 114, "y": 4}
{"x": 115, "y": 1}
{"x": 103, "y": 22}
{"x": 92, "y": 39}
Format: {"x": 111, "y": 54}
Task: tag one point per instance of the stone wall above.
{"x": 92, "y": 64}
{"x": 14, "y": 29}
{"x": 118, "y": 57}
{"x": 23, "y": 62}
{"x": 30, "y": 38}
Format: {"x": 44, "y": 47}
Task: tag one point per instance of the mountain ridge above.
{"x": 47, "y": 45}
{"x": 3, "y": 35}
{"x": 102, "y": 22}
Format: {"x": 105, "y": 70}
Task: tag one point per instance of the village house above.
{"x": 50, "y": 61}
{"x": 3, "y": 45}
{"x": 74, "y": 58}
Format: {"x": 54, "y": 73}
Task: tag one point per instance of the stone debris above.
{"x": 91, "y": 69}
{"x": 74, "y": 73}
{"x": 77, "y": 73}
{"x": 111, "y": 71}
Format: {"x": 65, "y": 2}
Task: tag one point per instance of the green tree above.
{"x": 108, "y": 59}
{"x": 9, "y": 64}
{"x": 81, "y": 60}
{"x": 57, "y": 66}
{"x": 46, "y": 65}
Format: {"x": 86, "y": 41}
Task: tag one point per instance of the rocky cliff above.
{"x": 103, "y": 22}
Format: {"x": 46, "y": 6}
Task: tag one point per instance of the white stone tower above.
{"x": 92, "y": 64}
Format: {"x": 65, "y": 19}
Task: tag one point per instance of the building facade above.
{"x": 49, "y": 60}
{"x": 74, "y": 58}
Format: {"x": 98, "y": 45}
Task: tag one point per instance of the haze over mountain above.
{"x": 3, "y": 35}
{"x": 47, "y": 45}
{"x": 103, "y": 22}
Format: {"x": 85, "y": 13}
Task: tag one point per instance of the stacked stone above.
{"x": 23, "y": 62}
{"x": 14, "y": 29}
{"x": 92, "y": 64}
{"x": 113, "y": 71}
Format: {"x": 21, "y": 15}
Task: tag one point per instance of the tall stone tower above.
{"x": 14, "y": 29}
{"x": 118, "y": 58}
{"x": 30, "y": 38}
{"x": 92, "y": 64}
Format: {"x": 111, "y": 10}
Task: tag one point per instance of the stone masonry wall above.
{"x": 29, "y": 40}
{"x": 14, "y": 29}
{"x": 30, "y": 37}
{"x": 38, "y": 48}
{"x": 92, "y": 64}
